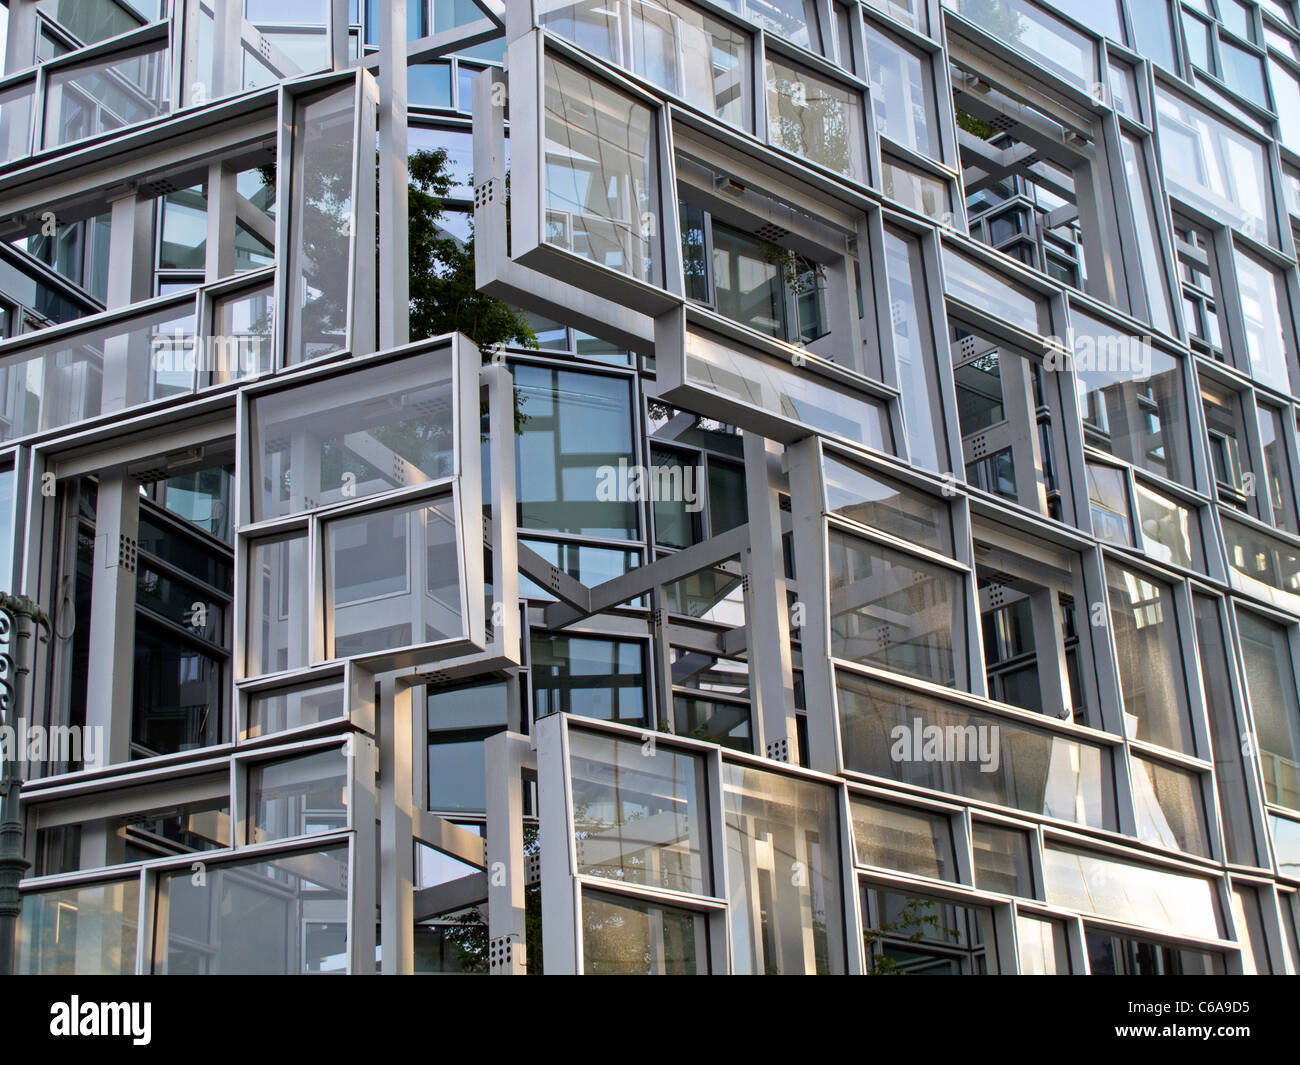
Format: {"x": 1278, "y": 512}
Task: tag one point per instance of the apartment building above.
{"x": 652, "y": 486}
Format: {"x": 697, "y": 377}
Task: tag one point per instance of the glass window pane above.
{"x": 184, "y": 230}
{"x": 795, "y": 20}
{"x": 918, "y": 190}
{"x": 589, "y": 677}
{"x": 16, "y": 120}
{"x": 1286, "y": 94}
{"x": 601, "y": 173}
{"x": 1043, "y": 948}
{"x": 1002, "y": 859}
{"x": 298, "y": 796}
{"x": 8, "y": 483}
{"x": 1044, "y": 38}
{"x": 584, "y": 562}
{"x": 714, "y": 721}
{"x": 1003, "y": 299}
{"x": 177, "y": 692}
{"x": 903, "y": 838}
{"x": 887, "y": 505}
{"x": 1248, "y": 918}
{"x": 460, "y": 720}
{"x": 140, "y": 833}
{"x": 1150, "y": 659}
{"x": 1124, "y": 956}
{"x": 894, "y": 611}
{"x": 916, "y": 739}
{"x": 1273, "y": 433}
{"x": 280, "y": 916}
{"x": 1286, "y": 847}
{"x": 106, "y": 94}
{"x": 1270, "y": 678}
{"x": 723, "y": 367}
{"x": 630, "y": 937}
{"x": 146, "y": 356}
{"x": 1225, "y": 735}
{"x": 815, "y": 119}
{"x": 912, "y": 13}
{"x": 1108, "y": 503}
{"x": 728, "y": 504}
{"x": 279, "y": 621}
{"x": 1243, "y": 72}
{"x": 902, "y": 94}
{"x": 784, "y": 859}
{"x": 241, "y": 326}
{"x": 1146, "y": 211}
{"x": 638, "y": 817}
{"x": 391, "y": 428}
{"x": 320, "y": 221}
{"x": 392, "y": 579}
{"x": 92, "y": 21}
{"x": 748, "y": 282}
{"x": 683, "y": 51}
{"x": 1262, "y": 565}
{"x": 1213, "y": 167}
{"x": 80, "y": 930}
{"x": 1132, "y": 399}
{"x": 1266, "y": 308}
{"x": 429, "y": 84}
{"x": 715, "y": 594}
{"x": 1169, "y": 807}
{"x": 1135, "y": 894}
{"x": 1172, "y": 531}
{"x": 573, "y": 450}
{"x": 914, "y": 351}
{"x": 287, "y": 708}
{"x": 914, "y": 935}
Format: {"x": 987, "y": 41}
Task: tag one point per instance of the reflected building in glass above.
{"x": 805, "y": 486}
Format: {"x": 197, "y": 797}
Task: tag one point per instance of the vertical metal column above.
{"x": 112, "y": 618}
{"x": 18, "y": 615}
{"x": 394, "y": 269}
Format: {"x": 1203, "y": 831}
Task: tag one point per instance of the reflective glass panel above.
{"x": 601, "y": 173}
{"x": 894, "y": 611}
{"x": 279, "y": 622}
{"x": 1002, "y": 859}
{"x": 278, "y": 916}
{"x": 298, "y": 796}
{"x": 321, "y": 209}
{"x": 392, "y": 579}
{"x": 638, "y": 817}
{"x": 815, "y": 119}
{"x": 319, "y": 443}
{"x": 1169, "y": 806}
{"x": 905, "y": 838}
{"x": 783, "y": 857}
{"x": 632, "y": 937}
{"x": 887, "y": 505}
{"x": 80, "y": 930}
{"x": 1150, "y": 659}
{"x": 1270, "y": 678}
{"x": 917, "y": 739}
{"x": 1135, "y": 894}
{"x": 106, "y": 94}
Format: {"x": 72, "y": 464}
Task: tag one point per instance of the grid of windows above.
{"x": 868, "y": 446}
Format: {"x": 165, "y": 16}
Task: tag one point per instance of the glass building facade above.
{"x": 883, "y": 558}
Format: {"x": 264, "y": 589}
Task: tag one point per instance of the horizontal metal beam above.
{"x": 471, "y": 890}
{"x": 451, "y": 839}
